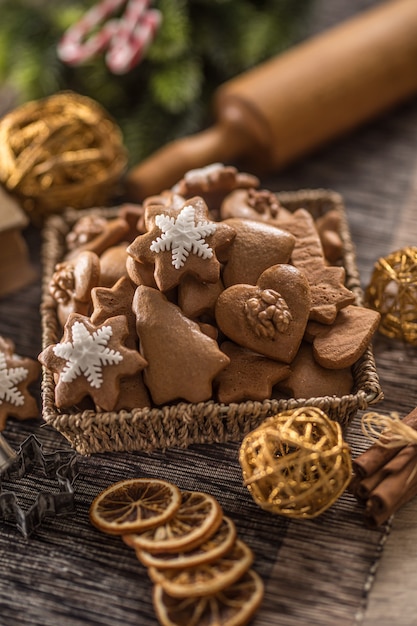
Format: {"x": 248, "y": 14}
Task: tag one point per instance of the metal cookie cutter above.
{"x": 61, "y": 466}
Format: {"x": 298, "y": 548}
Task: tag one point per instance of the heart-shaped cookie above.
{"x": 269, "y": 317}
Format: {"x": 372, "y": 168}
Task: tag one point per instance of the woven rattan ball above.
{"x": 58, "y": 152}
{"x": 296, "y": 463}
{"x": 392, "y": 291}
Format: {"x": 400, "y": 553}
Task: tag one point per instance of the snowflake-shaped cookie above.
{"x": 16, "y": 373}
{"x": 9, "y": 379}
{"x": 87, "y": 354}
{"x": 90, "y": 360}
{"x": 183, "y": 235}
{"x": 181, "y": 240}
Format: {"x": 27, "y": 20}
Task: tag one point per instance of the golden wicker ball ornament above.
{"x": 296, "y": 463}
{"x": 61, "y": 151}
{"x": 392, "y": 292}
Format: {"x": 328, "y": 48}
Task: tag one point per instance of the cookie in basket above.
{"x": 181, "y": 241}
{"x": 180, "y": 364}
{"x": 90, "y": 360}
{"x": 270, "y": 317}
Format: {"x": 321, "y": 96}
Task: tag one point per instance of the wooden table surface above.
{"x": 375, "y": 169}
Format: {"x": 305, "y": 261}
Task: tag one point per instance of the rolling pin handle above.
{"x": 220, "y": 143}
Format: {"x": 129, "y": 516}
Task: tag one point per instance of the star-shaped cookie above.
{"x": 180, "y": 241}
{"x": 90, "y": 360}
{"x": 117, "y": 300}
{"x": 249, "y": 376}
{"x": 308, "y": 379}
{"x": 16, "y": 374}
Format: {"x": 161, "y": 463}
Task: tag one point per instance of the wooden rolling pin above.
{"x": 284, "y": 108}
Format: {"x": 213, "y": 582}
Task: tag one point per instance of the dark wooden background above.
{"x": 317, "y": 572}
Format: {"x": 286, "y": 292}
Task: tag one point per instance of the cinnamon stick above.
{"x": 398, "y": 486}
{"x": 377, "y": 455}
{"x": 386, "y": 478}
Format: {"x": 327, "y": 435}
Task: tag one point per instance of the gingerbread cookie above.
{"x": 270, "y": 317}
{"x": 196, "y": 298}
{"x": 256, "y": 247}
{"x": 134, "y": 216}
{"x": 328, "y": 226}
{"x": 213, "y": 182}
{"x": 209, "y": 330}
{"x": 113, "y": 232}
{"x": 113, "y": 264}
{"x": 85, "y": 229}
{"x": 108, "y": 302}
{"x": 182, "y": 360}
{"x": 72, "y": 282}
{"x": 118, "y": 301}
{"x": 328, "y": 292}
{"x": 167, "y": 198}
{"x": 340, "y": 345}
{"x": 90, "y": 360}
{"x": 260, "y": 205}
{"x": 17, "y": 373}
{"x": 308, "y": 379}
{"x": 249, "y": 376}
{"x": 133, "y": 394}
{"x": 180, "y": 242}
{"x": 140, "y": 273}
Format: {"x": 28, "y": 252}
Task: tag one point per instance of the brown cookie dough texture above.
{"x": 117, "y": 300}
{"x": 72, "y": 282}
{"x": 251, "y": 204}
{"x": 134, "y": 216}
{"x": 213, "y": 183}
{"x": 249, "y": 376}
{"x": 182, "y": 360}
{"x": 113, "y": 264}
{"x": 328, "y": 292}
{"x": 90, "y": 360}
{"x": 197, "y": 299}
{"x": 270, "y": 317}
{"x": 255, "y": 247}
{"x": 308, "y": 379}
{"x": 112, "y": 232}
{"x": 17, "y": 373}
{"x": 181, "y": 241}
{"x": 340, "y": 345}
{"x": 329, "y": 227}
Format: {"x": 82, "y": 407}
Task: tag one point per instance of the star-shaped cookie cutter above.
{"x": 60, "y": 465}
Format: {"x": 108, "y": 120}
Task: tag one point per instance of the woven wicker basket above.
{"x": 181, "y": 424}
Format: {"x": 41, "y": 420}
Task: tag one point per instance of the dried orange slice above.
{"x": 211, "y": 549}
{"x": 198, "y": 517}
{"x": 233, "y": 606}
{"x": 134, "y": 505}
{"x": 206, "y": 578}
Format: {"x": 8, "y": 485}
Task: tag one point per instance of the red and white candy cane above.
{"x": 126, "y": 37}
{"x": 76, "y": 46}
{"x": 131, "y": 40}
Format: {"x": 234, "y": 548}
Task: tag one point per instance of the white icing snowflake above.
{"x": 87, "y": 354}
{"x": 201, "y": 174}
{"x": 182, "y": 235}
{"x": 9, "y": 378}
